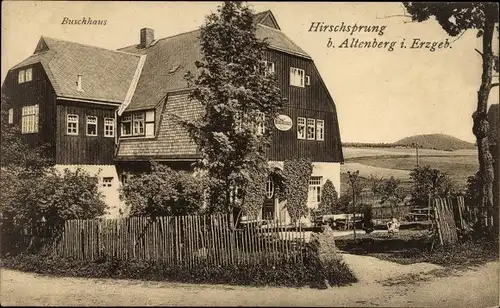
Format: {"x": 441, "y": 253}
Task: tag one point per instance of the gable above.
{"x": 266, "y": 18}
{"x": 41, "y": 46}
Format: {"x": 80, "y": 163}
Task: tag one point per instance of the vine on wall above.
{"x": 294, "y": 187}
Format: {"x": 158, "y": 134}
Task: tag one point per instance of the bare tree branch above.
{"x": 494, "y": 84}
{"x": 395, "y": 15}
{"x": 478, "y": 52}
{"x": 460, "y": 36}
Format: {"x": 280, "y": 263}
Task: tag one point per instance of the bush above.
{"x": 164, "y": 192}
{"x": 288, "y": 273}
{"x": 38, "y": 203}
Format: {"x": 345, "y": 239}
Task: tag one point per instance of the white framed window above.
{"x": 29, "y": 75}
{"x": 138, "y": 124}
{"x": 308, "y": 80}
{"x": 21, "y": 74}
{"x": 91, "y": 126}
{"x": 134, "y": 125}
{"x": 311, "y": 129}
{"x": 301, "y": 128}
{"x": 126, "y": 125}
{"x": 297, "y": 77}
{"x": 320, "y": 130}
{"x": 25, "y": 75}
{"x": 11, "y": 116}
{"x": 107, "y": 181}
{"x": 314, "y": 195}
{"x": 72, "y": 124}
{"x": 29, "y": 122}
{"x": 268, "y": 68}
{"x": 109, "y": 127}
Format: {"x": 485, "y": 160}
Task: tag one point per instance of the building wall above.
{"x": 38, "y": 91}
{"x": 310, "y": 101}
{"x": 83, "y": 149}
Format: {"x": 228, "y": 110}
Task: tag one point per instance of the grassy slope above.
{"x": 458, "y": 167}
{"x": 458, "y": 164}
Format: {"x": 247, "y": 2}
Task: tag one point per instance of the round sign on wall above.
{"x": 283, "y": 122}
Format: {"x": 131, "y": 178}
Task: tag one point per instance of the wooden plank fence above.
{"x": 185, "y": 241}
{"x": 445, "y": 221}
{"x": 452, "y": 216}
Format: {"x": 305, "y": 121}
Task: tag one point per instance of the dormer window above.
{"x": 138, "y": 125}
{"x": 127, "y": 125}
{"x": 141, "y": 124}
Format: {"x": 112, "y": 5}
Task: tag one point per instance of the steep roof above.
{"x": 169, "y": 59}
{"x": 106, "y": 74}
{"x": 172, "y": 140}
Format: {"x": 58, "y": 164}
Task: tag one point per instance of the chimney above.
{"x": 147, "y": 37}
{"x": 79, "y": 85}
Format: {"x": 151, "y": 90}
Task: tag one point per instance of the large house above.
{"x": 112, "y": 111}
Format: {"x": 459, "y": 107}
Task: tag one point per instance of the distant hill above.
{"x": 437, "y": 142}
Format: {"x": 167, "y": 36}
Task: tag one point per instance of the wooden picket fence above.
{"x": 185, "y": 241}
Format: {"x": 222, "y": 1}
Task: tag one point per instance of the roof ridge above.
{"x": 87, "y": 45}
{"x": 161, "y": 39}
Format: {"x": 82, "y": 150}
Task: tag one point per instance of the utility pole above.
{"x": 416, "y": 149}
{"x": 353, "y": 178}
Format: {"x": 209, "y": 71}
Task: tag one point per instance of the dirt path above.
{"x": 474, "y": 288}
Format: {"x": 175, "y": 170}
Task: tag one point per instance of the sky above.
{"x": 380, "y": 95}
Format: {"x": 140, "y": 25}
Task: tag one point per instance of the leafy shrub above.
{"x": 287, "y": 273}
{"x": 37, "y": 204}
{"x": 428, "y": 181}
{"x": 164, "y": 192}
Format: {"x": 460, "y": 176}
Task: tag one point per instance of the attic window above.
{"x": 174, "y": 69}
{"x": 25, "y": 75}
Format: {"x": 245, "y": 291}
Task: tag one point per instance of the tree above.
{"x": 455, "y": 18}
{"x": 163, "y": 192}
{"x": 355, "y": 187}
{"x": 329, "y": 198}
{"x": 428, "y": 182}
{"x": 239, "y": 100}
{"x": 391, "y": 192}
{"x": 473, "y": 190}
